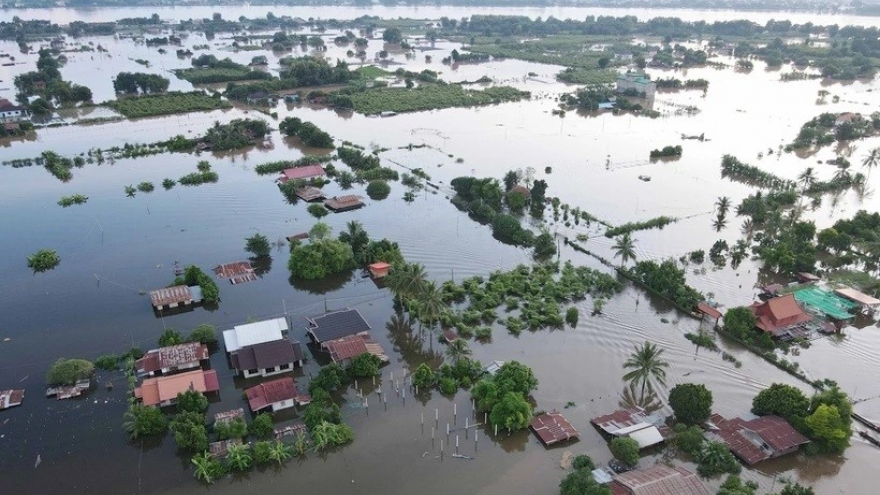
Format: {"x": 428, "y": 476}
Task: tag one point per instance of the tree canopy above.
{"x": 69, "y": 371}
{"x": 691, "y": 403}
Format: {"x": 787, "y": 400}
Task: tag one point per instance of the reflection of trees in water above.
{"x": 327, "y": 284}
{"x": 261, "y": 264}
{"x": 511, "y": 442}
{"x": 630, "y": 398}
{"x": 408, "y": 344}
{"x": 809, "y": 469}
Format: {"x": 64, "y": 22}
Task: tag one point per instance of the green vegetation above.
{"x": 675, "y": 83}
{"x": 146, "y": 187}
{"x": 504, "y": 395}
{"x": 317, "y": 210}
{"x": 237, "y": 428}
{"x": 667, "y": 151}
{"x": 378, "y": 189}
{"x": 43, "y": 260}
{"x": 688, "y": 439}
{"x": 626, "y": 450}
{"x": 738, "y": 171}
{"x": 262, "y": 426}
{"x": 587, "y": 77}
{"x": 76, "y": 199}
{"x": 193, "y": 275}
{"x": 280, "y": 166}
{"x": 208, "y": 69}
{"x": 691, "y": 403}
{"x": 430, "y": 97}
{"x": 138, "y": 82}
{"x": 237, "y": 134}
{"x": 715, "y": 458}
{"x": 204, "y": 175}
{"x": 192, "y": 401}
{"x": 667, "y": 280}
{"x": 646, "y": 367}
{"x": 654, "y": 223}
{"x": 258, "y": 245}
{"x": 167, "y": 104}
{"x": 581, "y": 481}
{"x": 828, "y": 127}
{"x": 47, "y": 83}
{"x": 144, "y": 421}
{"x": 207, "y": 468}
{"x": 189, "y": 431}
{"x": 170, "y": 337}
{"x": 320, "y": 257}
{"x": 204, "y": 333}
{"x": 364, "y": 366}
{"x": 69, "y": 371}
{"x": 307, "y": 132}
{"x": 107, "y": 362}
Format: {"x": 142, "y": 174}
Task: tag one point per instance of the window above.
{"x": 284, "y": 366}
{"x": 253, "y": 372}
{"x": 270, "y": 370}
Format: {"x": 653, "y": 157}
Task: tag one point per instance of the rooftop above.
{"x": 553, "y": 428}
{"x": 237, "y": 272}
{"x": 775, "y": 432}
{"x": 254, "y": 333}
{"x": 170, "y": 295}
{"x": 304, "y": 172}
{"x": 779, "y": 312}
{"x": 266, "y": 355}
{"x": 227, "y": 416}
{"x": 826, "y": 302}
{"x": 154, "y": 391}
{"x": 337, "y": 324}
{"x": 658, "y": 480}
{"x": 708, "y": 310}
{"x": 857, "y": 297}
{"x": 172, "y": 357}
{"x": 645, "y": 428}
{"x": 309, "y": 193}
{"x": 10, "y": 398}
{"x": 342, "y": 203}
{"x": 353, "y": 346}
{"x": 265, "y": 394}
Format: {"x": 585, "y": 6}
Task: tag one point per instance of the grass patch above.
{"x": 167, "y": 104}
{"x": 220, "y": 75}
{"x": 430, "y": 97}
{"x": 371, "y": 72}
{"x": 589, "y": 77}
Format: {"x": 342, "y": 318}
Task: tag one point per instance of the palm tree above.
{"x": 723, "y": 206}
{"x": 872, "y": 160}
{"x": 624, "y": 248}
{"x": 649, "y": 401}
{"x": 280, "y": 452}
{"x": 355, "y": 236}
{"x": 430, "y": 305}
{"x": 646, "y": 365}
{"x": 748, "y": 228}
{"x": 458, "y": 349}
{"x": 719, "y": 223}
{"x": 406, "y": 280}
{"x": 807, "y": 178}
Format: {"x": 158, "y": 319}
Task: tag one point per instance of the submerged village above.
{"x": 498, "y": 253}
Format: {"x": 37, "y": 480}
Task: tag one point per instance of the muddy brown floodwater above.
{"x": 114, "y": 248}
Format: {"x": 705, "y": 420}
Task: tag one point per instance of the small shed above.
{"x": 309, "y": 193}
{"x": 11, "y": 398}
{"x": 864, "y": 300}
{"x": 173, "y": 297}
{"x": 344, "y": 203}
{"x": 449, "y": 335}
{"x": 379, "y": 269}
{"x": 302, "y": 173}
{"x": 553, "y": 428}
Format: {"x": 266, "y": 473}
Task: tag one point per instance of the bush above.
{"x": 143, "y": 421}
{"x": 424, "y": 377}
{"x": 262, "y": 426}
{"x": 258, "y": 245}
{"x": 69, "y": 371}
{"x": 583, "y": 461}
{"x": 689, "y": 439}
{"x": 625, "y": 450}
{"x": 317, "y": 210}
{"x": 365, "y": 365}
{"x": 43, "y": 260}
{"x": 107, "y": 362}
{"x": 204, "y": 333}
{"x": 785, "y": 401}
{"x": 571, "y": 316}
{"x": 320, "y": 258}
{"x": 691, "y": 403}
{"x": 378, "y": 189}
{"x": 307, "y": 132}
{"x": 715, "y": 458}
{"x": 170, "y": 337}
{"x": 190, "y": 432}
{"x": 237, "y": 428}
{"x": 581, "y": 482}
{"x": 508, "y": 230}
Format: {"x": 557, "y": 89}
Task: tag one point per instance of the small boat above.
{"x": 644, "y": 178}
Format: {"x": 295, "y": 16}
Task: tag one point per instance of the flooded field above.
{"x": 115, "y": 248}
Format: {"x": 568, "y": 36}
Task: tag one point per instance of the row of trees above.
{"x": 139, "y": 82}
{"x": 307, "y": 132}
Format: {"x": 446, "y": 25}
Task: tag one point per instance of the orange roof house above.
{"x": 162, "y": 391}
{"x": 379, "y": 269}
{"x": 779, "y": 313}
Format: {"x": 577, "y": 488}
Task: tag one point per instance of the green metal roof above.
{"x": 825, "y": 301}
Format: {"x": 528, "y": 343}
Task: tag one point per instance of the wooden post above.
{"x": 466, "y": 427}
{"x": 485, "y": 418}
{"x": 441, "y": 449}
{"x": 456, "y": 444}
{"x": 454, "y": 412}
{"x": 385, "y": 401}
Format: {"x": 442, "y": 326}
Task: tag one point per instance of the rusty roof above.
{"x": 658, "y": 480}
{"x": 344, "y": 202}
{"x": 11, "y": 398}
{"x": 553, "y": 428}
{"x": 775, "y": 432}
{"x": 232, "y": 269}
{"x": 172, "y": 357}
{"x": 346, "y": 348}
{"x": 309, "y": 193}
{"x": 304, "y": 172}
{"x": 170, "y": 295}
{"x": 227, "y": 416}
{"x": 267, "y": 393}
{"x": 709, "y": 310}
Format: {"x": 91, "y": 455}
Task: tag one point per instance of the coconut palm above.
{"x": 624, "y": 248}
{"x": 239, "y": 457}
{"x": 646, "y": 365}
{"x": 406, "y": 280}
{"x": 301, "y": 444}
{"x": 458, "y": 349}
{"x": 719, "y": 223}
{"x": 872, "y": 160}
{"x": 842, "y": 173}
{"x": 648, "y": 401}
{"x": 355, "y": 236}
{"x": 748, "y": 228}
{"x": 430, "y": 305}
{"x": 723, "y": 206}
{"x": 807, "y": 178}
{"x": 280, "y": 452}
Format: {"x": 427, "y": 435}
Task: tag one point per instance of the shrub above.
{"x": 69, "y": 371}
{"x": 507, "y": 229}
{"x": 204, "y": 333}
{"x": 107, "y": 362}
{"x": 365, "y": 365}
{"x": 170, "y": 337}
{"x": 691, "y": 403}
{"x": 143, "y": 421}
{"x": 782, "y": 400}
{"x": 43, "y": 260}
{"x": 583, "y": 461}
{"x": 320, "y": 258}
{"x": 192, "y": 401}
{"x": 626, "y": 450}
{"x": 424, "y": 377}
{"x": 317, "y": 210}
{"x": 262, "y": 426}
{"x": 258, "y": 245}
{"x": 715, "y": 458}
{"x": 378, "y": 189}
{"x": 189, "y": 431}
{"x": 237, "y": 428}
{"x": 689, "y": 439}
{"x": 146, "y": 187}
{"x": 571, "y": 316}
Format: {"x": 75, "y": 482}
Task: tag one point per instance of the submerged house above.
{"x": 302, "y": 173}
{"x": 275, "y": 395}
{"x": 343, "y": 351}
{"x": 658, "y": 480}
{"x": 758, "y": 439}
{"x": 171, "y": 359}
{"x": 254, "y": 333}
{"x": 777, "y": 315}
{"x": 344, "y": 203}
{"x": 267, "y": 358}
{"x": 645, "y": 428}
{"x": 11, "y": 398}
{"x": 174, "y": 297}
{"x": 553, "y": 428}
{"x": 337, "y": 325}
{"x": 162, "y": 391}
{"x": 636, "y": 82}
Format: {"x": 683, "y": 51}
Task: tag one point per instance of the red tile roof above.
{"x": 709, "y": 310}
{"x": 658, "y": 480}
{"x": 778, "y": 436}
{"x": 267, "y": 393}
{"x": 553, "y": 428}
{"x": 779, "y": 312}
{"x": 306, "y": 172}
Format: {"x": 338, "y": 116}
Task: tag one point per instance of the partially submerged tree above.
{"x": 69, "y": 371}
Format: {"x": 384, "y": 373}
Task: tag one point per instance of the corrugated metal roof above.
{"x": 11, "y": 398}
{"x": 264, "y": 355}
{"x": 348, "y": 202}
{"x": 346, "y": 348}
{"x": 553, "y": 428}
{"x": 154, "y": 391}
{"x": 170, "y": 295}
{"x": 254, "y": 333}
{"x": 172, "y": 357}
{"x": 660, "y": 480}
{"x": 776, "y": 434}
{"x": 304, "y": 172}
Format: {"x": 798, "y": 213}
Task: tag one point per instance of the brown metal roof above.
{"x": 346, "y": 348}
{"x": 339, "y": 203}
{"x": 172, "y": 357}
{"x": 227, "y": 416}
{"x": 777, "y": 435}
{"x": 267, "y": 393}
{"x": 170, "y": 295}
{"x": 264, "y": 355}
{"x": 709, "y": 310}
{"x": 658, "y": 480}
{"x": 233, "y": 269}
{"x": 11, "y": 398}
{"x": 553, "y": 428}
{"x": 304, "y": 172}
{"x": 309, "y": 193}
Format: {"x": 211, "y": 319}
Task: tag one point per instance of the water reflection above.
{"x": 409, "y": 345}
{"x": 327, "y": 284}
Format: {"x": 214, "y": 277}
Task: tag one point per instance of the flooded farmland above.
{"x": 116, "y": 248}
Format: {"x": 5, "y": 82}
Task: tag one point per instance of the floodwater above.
{"x": 114, "y": 248}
